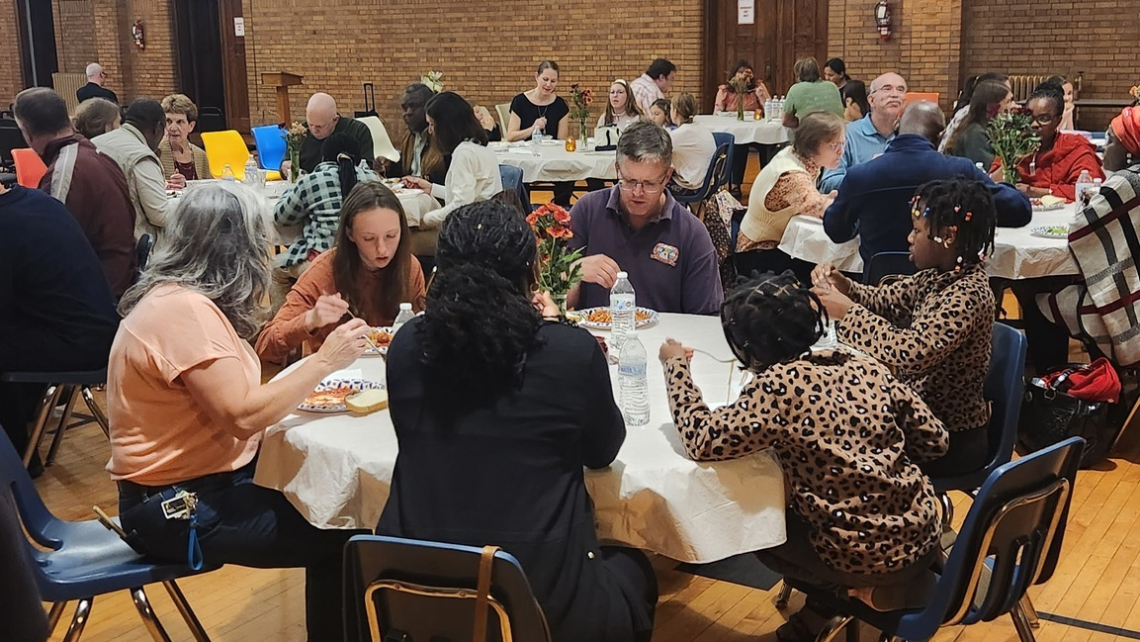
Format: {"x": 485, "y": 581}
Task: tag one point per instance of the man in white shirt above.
{"x": 133, "y": 147}
{"x": 654, "y": 83}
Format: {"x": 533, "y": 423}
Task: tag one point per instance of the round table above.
{"x": 336, "y": 468}
{"x": 747, "y": 131}
{"x": 549, "y": 162}
{"x": 1018, "y": 254}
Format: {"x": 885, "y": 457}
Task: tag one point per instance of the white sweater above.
{"x": 693, "y": 151}
{"x": 472, "y": 177}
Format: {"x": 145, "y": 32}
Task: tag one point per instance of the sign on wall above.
{"x": 745, "y": 12}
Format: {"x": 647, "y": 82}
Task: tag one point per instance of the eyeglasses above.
{"x": 1043, "y": 119}
{"x": 838, "y": 147}
{"x": 648, "y": 187}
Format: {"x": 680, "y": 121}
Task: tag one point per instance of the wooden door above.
{"x": 783, "y": 31}
{"x": 211, "y": 62}
{"x": 233, "y": 66}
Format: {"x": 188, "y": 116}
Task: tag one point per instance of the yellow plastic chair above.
{"x": 229, "y": 148}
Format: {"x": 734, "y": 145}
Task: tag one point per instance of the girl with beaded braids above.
{"x": 497, "y": 411}
{"x": 932, "y": 329}
{"x": 861, "y": 516}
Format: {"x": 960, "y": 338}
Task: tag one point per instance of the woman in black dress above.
{"x": 497, "y": 411}
{"x": 545, "y": 112}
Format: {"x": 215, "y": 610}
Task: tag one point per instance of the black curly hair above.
{"x": 479, "y": 324}
{"x": 771, "y": 319}
{"x": 967, "y": 206}
{"x": 1051, "y": 91}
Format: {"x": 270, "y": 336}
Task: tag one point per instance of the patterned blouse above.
{"x": 933, "y": 330}
{"x": 791, "y": 188}
{"x": 315, "y": 202}
{"x": 848, "y": 435}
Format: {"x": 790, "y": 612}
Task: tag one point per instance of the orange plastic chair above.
{"x": 912, "y": 96}
{"x": 29, "y": 167}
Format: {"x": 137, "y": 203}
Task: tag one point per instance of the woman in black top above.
{"x": 540, "y": 108}
{"x": 495, "y": 422}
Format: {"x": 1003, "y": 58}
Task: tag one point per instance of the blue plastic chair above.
{"x": 65, "y": 388}
{"x": 717, "y": 175}
{"x": 724, "y": 138}
{"x": 85, "y": 559}
{"x": 270, "y": 141}
{"x": 886, "y": 264}
{"x": 1014, "y": 529}
{"x": 512, "y": 178}
{"x": 427, "y": 590}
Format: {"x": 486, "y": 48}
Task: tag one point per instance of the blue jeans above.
{"x": 244, "y": 524}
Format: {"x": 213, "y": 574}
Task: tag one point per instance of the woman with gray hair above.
{"x": 97, "y": 116}
{"x": 187, "y": 408}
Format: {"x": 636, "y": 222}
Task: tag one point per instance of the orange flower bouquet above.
{"x": 558, "y": 271}
{"x": 582, "y": 97}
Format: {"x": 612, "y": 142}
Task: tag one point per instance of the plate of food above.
{"x": 380, "y": 337}
{"x": 1051, "y": 231}
{"x": 1047, "y": 203}
{"x": 330, "y": 394}
{"x": 601, "y": 319}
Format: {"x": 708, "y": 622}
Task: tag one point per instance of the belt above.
{"x": 204, "y": 483}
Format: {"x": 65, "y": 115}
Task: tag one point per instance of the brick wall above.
{"x": 11, "y": 81}
{"x": 924, "y": 45}
{"x": 486, "y": 50}
{"x": 1064, "y": 37}
{"x": 74, "y": 34}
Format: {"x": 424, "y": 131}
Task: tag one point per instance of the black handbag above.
{"x": 1049, "y": 415}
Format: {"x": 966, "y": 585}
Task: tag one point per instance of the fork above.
{"x": 714, "y": 357}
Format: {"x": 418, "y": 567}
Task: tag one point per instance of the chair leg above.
{"x": 72, "y": 393}
{"x": 79, "y": 620}
{"x": 187, "y": 612}
{"x": 142, "y": 604}
{"x": 51, "y": 397}
{"x": 833, "y": 627}
{"x": 96, "y": 411}
{"x": 1021, "y": 624}
{"x": 782, "y": 597}
{"x": 1030, "y": 612}
{"x": 55, "y": 614}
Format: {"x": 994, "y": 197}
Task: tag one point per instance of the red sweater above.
{"x": 1059, "y": 168}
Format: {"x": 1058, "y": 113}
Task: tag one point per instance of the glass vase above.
{"x": 583, "y": 136}
{"x": 739, "y": 108}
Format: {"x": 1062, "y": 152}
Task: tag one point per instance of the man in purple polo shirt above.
{"x": 638, "y": 227}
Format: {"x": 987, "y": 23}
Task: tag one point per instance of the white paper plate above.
{"x": 380, "y": 350}
{"x": 641, "y": 323}
{"x": 1050, "y": 232}
{"x": 332, "y": 384}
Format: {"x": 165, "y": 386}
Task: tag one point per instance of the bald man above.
{"x": 323, "y": 120}
{"x": 870, "y": 135}
{"x": 94, "y": 87}
{"x": 874, "y": 197}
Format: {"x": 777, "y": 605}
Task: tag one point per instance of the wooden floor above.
{"x": 1097, "y": 582}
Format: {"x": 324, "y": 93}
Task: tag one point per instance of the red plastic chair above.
{"x": 29, "y": 167}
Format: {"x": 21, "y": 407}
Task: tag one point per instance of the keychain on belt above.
{"x": 184, "y": 505}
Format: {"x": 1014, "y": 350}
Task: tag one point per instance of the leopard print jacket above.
{"x": 933, "y": 331}
{"x": 848, "y": 435}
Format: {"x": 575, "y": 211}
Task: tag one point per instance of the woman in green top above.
{"x": 811, "y": 93}
{"x": 971, "y": 139}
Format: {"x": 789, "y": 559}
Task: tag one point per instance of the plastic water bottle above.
{"x": 249, "y": 177}
{"x": 536, "y": 136}
{"x": 623, "y": 303}
{"x": 1084, "y": 189}
{"x": 633, "y": 384}
{"x": 768, "y": 109}
{"x": 403, "y": 317}
{"x": 228, "y": 174}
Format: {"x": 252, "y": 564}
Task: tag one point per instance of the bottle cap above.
{"x": 405, "y": 306}
{"x": 623, "y": 275}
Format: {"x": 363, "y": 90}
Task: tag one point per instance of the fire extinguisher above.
{"x": 883, "y": 19}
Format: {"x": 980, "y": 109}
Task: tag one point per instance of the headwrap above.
{"x": 1126, "y": 126}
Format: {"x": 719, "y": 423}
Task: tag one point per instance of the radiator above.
{"x": 66, "y": 85}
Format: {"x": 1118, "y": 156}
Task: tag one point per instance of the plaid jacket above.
{"x": 1104, "y": 240}
{"x": 315, "y": 202}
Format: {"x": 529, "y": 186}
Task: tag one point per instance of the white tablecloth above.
{"x": 336, "y": 469}
{"x": 747, "y": 131}
{"x": 550, "y": 162}
{"x": 1018, "y": 254}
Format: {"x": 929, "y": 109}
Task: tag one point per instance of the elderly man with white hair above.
{"x": 869, "y": 136}
{"x": 323, "y": 121}
{"x": 94, "y": 87}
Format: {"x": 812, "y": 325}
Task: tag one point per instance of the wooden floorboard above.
{"x": 1097, "y": 580}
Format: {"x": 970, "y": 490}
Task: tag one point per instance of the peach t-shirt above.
{"x": 160, "y": 434}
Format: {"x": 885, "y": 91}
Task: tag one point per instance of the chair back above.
{"x": 885, "y": 264}
{"x": 512, "y": 178}
{"x": 11, "y": 139}
{"x": 270, "y": 141}
{"x": 30, "y": 167}
{"x": 718, "y": 167}
{"x": 14, "y": 480}
{"x": 1015, "y": 527}
{"x": 504, "y": 112}
{"x": 20, "y": 606}
{"x": 1003, "y": 388}
{"x": 725, "y": 176}
{"x": 381, "y": 143}
{"x": 226, "y": 148}
{"x": 427, "y": 590}
{"x": 142, "y": 251}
